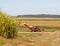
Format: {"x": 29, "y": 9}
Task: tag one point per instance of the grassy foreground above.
{"x": 33, "y": 39}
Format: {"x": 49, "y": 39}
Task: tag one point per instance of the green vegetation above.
{"x": 7, "y": 26}
{"x": 23, "y": 29}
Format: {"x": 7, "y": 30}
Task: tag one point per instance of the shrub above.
{"x": 7, "y": 26}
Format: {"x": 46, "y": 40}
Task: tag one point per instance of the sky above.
{"x": 23, "y": 7}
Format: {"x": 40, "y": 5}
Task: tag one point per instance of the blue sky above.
{"x": 21, "y": 7}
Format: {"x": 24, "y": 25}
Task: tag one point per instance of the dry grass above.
{"x": 33, "y": 39}
{"x": 42, "y": 23}
{"x": 45, "y": 22}
{"x": 36, "y": 19}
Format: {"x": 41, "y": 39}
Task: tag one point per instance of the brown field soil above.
{"x": 33, "y": 39}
